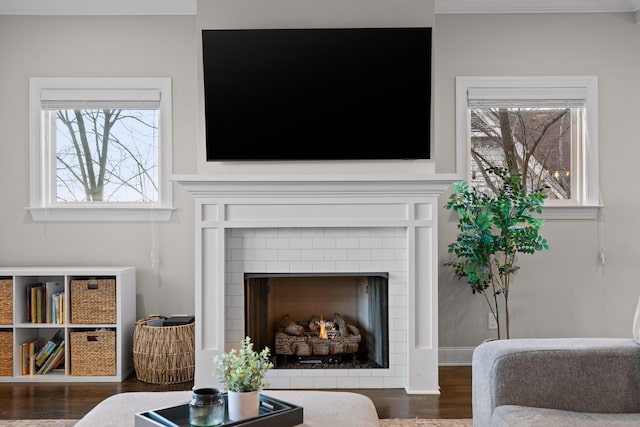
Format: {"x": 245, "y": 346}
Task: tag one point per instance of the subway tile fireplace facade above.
{"x": 321, "y": 227}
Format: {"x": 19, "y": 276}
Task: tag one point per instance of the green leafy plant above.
{"x": 492, "y": 229}
{"x": 243, "y": 370}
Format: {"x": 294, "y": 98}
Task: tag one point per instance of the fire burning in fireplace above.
{"x": 326, "y": 329}
{"x": 323, "y": 329}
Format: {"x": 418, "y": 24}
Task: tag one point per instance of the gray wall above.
{"x": 561, "y": 292}
{"x": 148, "y": 46}
{"x": 99, "y": 47}
{"x": 564, "y": 291}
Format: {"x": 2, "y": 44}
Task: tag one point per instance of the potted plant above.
{"x": 492, "y": 229}
{"x": 242, "y": 372}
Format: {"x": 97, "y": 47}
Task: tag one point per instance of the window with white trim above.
{"x": 100, "y": 149}
{"x": 544, "y": 128}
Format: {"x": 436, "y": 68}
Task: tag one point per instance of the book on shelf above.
{"x": 57, "y": 308}
{"x": 32, "y": 301}
{"x": 27, "y": 356}
{"x": 179, "y": 320}
{"x": 53, "y": 361}
{"x": 45, "y": 302}
{"x": 52, "y": 289}
{"x": 45, "y": 351}
{"x": 48, "y": 349}
{"x": 39, "y": 304}
{"x": 35, "y": 293}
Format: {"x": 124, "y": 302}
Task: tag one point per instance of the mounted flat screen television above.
{"x": 317, "y": 94}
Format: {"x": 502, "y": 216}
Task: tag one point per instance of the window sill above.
{"x": 582, "y": 212}
{"x": 101, "y": 214}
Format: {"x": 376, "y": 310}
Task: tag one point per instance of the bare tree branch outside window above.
{"x": 532, "y": 142}
{"x": 107, "y": 155}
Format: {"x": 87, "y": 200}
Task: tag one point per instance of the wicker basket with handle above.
{"x": 93, "y": 301}
{"x": 93, "y": 353}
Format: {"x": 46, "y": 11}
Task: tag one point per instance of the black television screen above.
{"x": 317, "y": 94}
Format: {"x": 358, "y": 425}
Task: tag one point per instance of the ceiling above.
{"x": 189, "y": 7}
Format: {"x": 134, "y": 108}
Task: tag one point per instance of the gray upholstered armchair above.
{"x": 557, "y": 382}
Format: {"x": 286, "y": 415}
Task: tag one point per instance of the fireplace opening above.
{"x": 319, "y": 320}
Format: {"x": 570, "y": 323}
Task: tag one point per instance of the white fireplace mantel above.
{"x": 224, "y": 203}
{"x": 246, "y": 185}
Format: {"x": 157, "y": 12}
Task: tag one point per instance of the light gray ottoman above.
{"x": 321, "y": 408}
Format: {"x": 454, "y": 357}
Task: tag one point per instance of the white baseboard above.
{"x": 455, "y": 356}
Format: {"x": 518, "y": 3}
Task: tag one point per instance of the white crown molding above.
{"x": 189, "y": 7}
{"x": 98, "y": 7}
{"x": 539, "y": 6}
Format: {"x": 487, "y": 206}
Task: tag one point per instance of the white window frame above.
{"x": 587, "y": 202}
{"x": 42, "y": 204}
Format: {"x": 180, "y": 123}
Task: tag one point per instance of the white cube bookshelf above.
{"x": 22, "y": 329}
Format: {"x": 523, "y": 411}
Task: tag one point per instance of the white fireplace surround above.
{"x": 331, "y": 204}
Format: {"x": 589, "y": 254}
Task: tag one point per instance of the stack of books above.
{"x": 45, "y": 302}
{"x": 36, "y": 360}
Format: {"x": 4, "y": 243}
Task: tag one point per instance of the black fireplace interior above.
{"x": 319, "y": 320}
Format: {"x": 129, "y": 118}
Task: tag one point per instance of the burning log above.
{"x": 342, "y": 325}
{"x": 341, "y": 338}
{"x": 299, "y": 348}
{"x": 314, "y": 324}
{"x": 291, "y": 327}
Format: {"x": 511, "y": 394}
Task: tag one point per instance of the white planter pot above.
{"x": 243, "y": 405}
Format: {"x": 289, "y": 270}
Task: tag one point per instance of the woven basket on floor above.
{"x": 163, "y": 354}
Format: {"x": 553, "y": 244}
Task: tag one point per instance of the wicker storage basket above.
{"x": 93, "y": 301}
{"x": 6, "y": 355}
{"x": 6, "y": 301}
{"x": 163, "y": 354}
{"x": 93, "y": 353}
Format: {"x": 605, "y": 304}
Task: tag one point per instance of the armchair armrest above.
{"x": 599, "y": 375}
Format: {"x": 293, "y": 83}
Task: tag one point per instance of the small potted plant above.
{"x": 242, "y": 371}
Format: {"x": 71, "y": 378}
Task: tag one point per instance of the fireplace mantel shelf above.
{"x": 243, "y": 185}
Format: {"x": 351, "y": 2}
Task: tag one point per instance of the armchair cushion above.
{"x": 525, "y": 416}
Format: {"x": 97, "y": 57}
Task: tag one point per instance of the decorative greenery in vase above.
{"x": 243, "y": 370}
{"x": 492, "y": 229}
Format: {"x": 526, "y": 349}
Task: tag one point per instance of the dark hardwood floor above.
{"x": 73, "y": 400}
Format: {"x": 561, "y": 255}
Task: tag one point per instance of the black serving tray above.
{"x": 273, "y": 413}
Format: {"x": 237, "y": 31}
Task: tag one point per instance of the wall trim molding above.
{"x": 104, "y": 7}
{"x": 455, "y": 356}
{"x": 189, "y": 7}
{"x": 539, "y": 6}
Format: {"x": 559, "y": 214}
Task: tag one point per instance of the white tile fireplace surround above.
{"x": 319, "y": 225}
